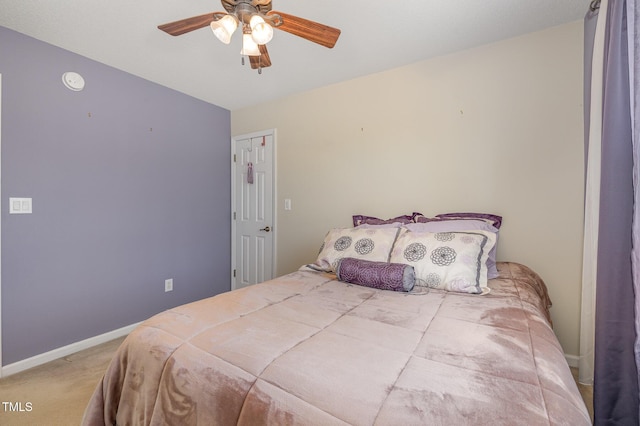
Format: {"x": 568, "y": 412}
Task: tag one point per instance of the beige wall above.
{"x": 497, "y": 129}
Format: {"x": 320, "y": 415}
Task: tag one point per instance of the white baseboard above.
{"x": 43, "y": 358}
{"x": 572, "y": 360}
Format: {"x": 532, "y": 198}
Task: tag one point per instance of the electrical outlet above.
{"x": 168, "y": 285}
{"x": 20, "y": 205}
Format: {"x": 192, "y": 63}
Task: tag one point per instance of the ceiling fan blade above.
{"x": 187, "y": 25}
{"x": 261, "y": 61}
{"x": 318, "y": 33}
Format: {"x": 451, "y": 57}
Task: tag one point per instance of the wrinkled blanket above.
{"x": 307, "y": 349}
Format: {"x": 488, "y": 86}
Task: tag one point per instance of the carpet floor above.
{"x": 58, "y": 392}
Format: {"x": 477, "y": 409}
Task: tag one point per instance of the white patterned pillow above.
{"x": 372, "y": 244}
{"x": 452, "y": 261}
{"x": 455, "y": 225}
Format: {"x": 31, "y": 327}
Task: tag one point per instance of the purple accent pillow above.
{"x": 495, "y": 220}
{"x": 384, "y": 225}
{"x": 380, "y": 275}
{"x": 370, "y": 220}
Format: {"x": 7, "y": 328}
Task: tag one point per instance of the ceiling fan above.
{"x": 257, "y": 21}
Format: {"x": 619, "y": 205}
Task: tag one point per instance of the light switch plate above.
{"x": 20, "y": 205}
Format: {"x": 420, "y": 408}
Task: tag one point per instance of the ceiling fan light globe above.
{"x": 223, "y": 28}
{"x": 249, "y": 47}
{"x": 261, "y": 32}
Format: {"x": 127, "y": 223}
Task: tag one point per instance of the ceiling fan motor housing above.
{"x": 245, "y": 9}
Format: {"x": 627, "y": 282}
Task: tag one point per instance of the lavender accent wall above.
{"x": 130, "y": 186}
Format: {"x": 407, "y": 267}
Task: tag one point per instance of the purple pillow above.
{"x": 384, "y": 225}
{"x": 380, "y": 275}
{"x": 370, "y": 220}
{"x": 450, "y": 225}
{"x": 495, "y": 220}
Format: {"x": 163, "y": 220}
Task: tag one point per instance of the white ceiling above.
{"x": 376, "y": 36}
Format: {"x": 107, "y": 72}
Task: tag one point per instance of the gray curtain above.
{"x": 615, "y": 371}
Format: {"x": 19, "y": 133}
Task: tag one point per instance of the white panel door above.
{"x": 254, "y": 209}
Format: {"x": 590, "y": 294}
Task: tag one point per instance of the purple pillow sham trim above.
{"x": 416, "y": 217}
{"x": 495, "y": 219}
{"x": 371, "y": 220}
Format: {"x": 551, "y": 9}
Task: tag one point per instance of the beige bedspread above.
{"x": 307, "y": 349}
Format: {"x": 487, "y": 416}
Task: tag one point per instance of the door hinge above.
{"x": 234, "y": 215}
{"x": 234, "y": 273}
{"x": 234, "y": 158}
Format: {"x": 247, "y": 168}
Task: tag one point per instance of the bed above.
{"x": 308, "y": 349}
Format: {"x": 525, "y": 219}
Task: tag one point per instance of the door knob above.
{"x": 266, "y": 229}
